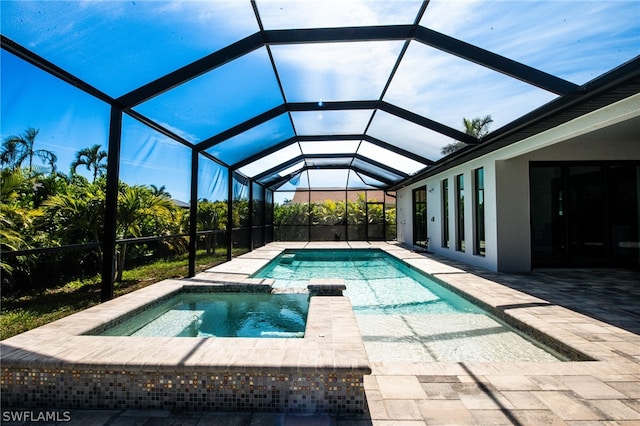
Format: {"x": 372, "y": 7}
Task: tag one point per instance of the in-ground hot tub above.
{"x": 59, "y": 366}
{"x": 217, "y": 314}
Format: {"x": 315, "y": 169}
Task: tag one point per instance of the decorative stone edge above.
{"x": 57, "y": 366}
{"x": 251, "y": 390}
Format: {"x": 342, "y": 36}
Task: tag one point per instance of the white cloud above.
{"x": 390, "y": 158}
{"x": 279, "y": 14}
{"x": 190, "y": 137}
{"x": 446, "y": 89}
{"x": 575, "y": 40}
{"x": 226, "y": 18}
{"x": 451, "y": 15}
{"x": 407, "y": 135}
{"x": 343, "y": 71}
{"x": 328, "y": 147}
{"x": 271, "y": 160}
{"x": 331, "y": 122}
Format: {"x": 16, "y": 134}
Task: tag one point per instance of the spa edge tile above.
{"x": 290, "y": 358}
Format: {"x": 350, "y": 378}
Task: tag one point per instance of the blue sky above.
{"x": 117, "y": 46}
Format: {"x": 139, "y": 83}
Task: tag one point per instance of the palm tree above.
{"x": 15, "y": 219}
{"x": 18, "y": 148}
{"x": 477, "y": 127}
{"x": 93, "y": 159}
{"x": 161, "y": 191}
{"x": 10, "y": 153}
{"x": 77, "y": 214}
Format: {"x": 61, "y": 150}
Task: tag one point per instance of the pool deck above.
{"x": 597, "y": 312}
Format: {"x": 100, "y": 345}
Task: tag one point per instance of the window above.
{"x": 478, "y": 212}
{"x": 420, "y": 217}
{"x": 460, "y": 242}
{"x": 445, "y": 213}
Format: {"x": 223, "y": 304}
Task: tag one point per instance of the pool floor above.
{"x": 405, "y": 316}
{"x": 448, "y": 337}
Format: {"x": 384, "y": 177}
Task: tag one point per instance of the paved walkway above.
{"x": 594, "y": 310}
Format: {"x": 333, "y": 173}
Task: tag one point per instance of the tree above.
{"x": 477, "y": 127}
{"x": 390, "y": 218}
{"x": 19, "y": 148}
{"x": 139, "y": 210}
{"x": 160, "y": 191}
{"x": 287, "y": 221}
{"x": 356, "y": 210}
{"x": 18, "y": 217}
{"x": 209, "y": 217}
{"x": 328, "y": 213}
{"x": 77, "y": 214}
{"x": 12, "y": 216}
{"x": 240, "y": 212}
{"x": 93, "y": 159}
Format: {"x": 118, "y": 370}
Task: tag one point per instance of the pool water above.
{"x": 403, "y": 314}
{"x": 221, "y": 315}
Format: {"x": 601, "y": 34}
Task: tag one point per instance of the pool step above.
{"x": 287, "y": 258}
{"x": 282, "y": 333}
{"x": 172, "y": 323}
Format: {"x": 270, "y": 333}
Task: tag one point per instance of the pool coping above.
{"x": 65, "y": 342}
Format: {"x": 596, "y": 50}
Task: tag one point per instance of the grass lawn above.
{"x": 37, "y": 308}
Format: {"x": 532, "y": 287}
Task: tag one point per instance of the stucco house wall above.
{"x": 611, "y": 133}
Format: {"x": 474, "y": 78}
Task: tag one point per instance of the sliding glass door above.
{"x": 585, "y": 214}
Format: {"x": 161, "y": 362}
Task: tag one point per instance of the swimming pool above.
{"x": 403, "y": 314}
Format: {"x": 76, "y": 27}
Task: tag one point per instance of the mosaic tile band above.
{"x": 288, "y": 392}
